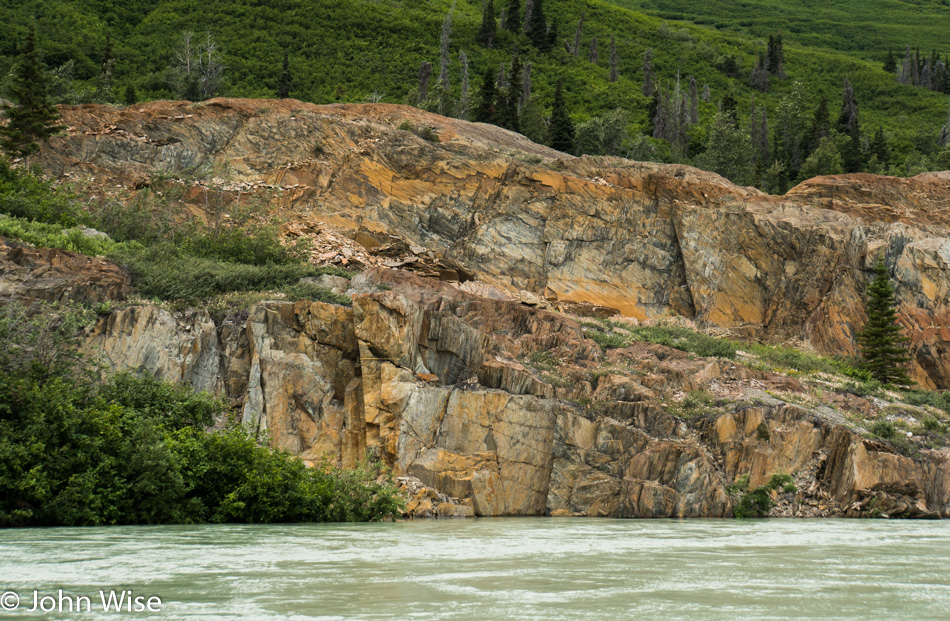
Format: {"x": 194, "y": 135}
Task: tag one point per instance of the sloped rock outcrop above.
{"x": 645, "y": 239}
{"x": 438, "y": 384}
{"x": 47, "y": 275}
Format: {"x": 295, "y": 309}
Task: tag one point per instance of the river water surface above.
{"x": 531, "y": 568}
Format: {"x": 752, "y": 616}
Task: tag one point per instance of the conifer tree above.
{"x": 104, "y": 82}
{"x": 464, "y": 102}
{"x": 879, "y": 148}
{"x": 890, "y": 63}
{"x": 593, "y": 56}
{"x": 648, "y": 73}
{"x": 820, "y": 127}
{"x": 552, "y": 35}
{"x": 525, "y": 90}
{"x": 487, "y": 99}
{"x": 562, "y": 127}
{"x": 883, "y": 347}
{"x": 425, "y": 76}
{"x": 849, "y": 125}
{"x": 131, "y": 97}
{"x": 511, "y": 96}
{"x": 539, "y": 27}
{"x": 286, "y": 79}
{"x": 489, "y": 28}
{"x": 31, "y": 117}
{"x": 693, "y": 101}
{"x": 576, "y": 48}
{"x": 445, "y": 42}
{"x": 513, "y": 20}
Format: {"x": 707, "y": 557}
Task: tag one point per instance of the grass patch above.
{"x": 784, "y": 358}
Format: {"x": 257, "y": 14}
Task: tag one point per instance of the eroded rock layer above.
{"x": 431, "y": 379}
{"x": 646, "y": 239}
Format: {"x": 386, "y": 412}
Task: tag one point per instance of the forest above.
{"x": 763, "y": 92}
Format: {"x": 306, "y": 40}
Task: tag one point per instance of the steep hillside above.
{"x": 351, "y": 51}
{"x": 646, "y": 239}
{"x": 519, "y": 331}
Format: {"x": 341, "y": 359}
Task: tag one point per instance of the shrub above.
{"x": 758, "y": 502}
{"x": 310, "y": 291}
{"x": 939, "y": 400}
{"x": 883, "y": 429}
{"x": 26, "y": 194}
{"x": 166, "y": 273}
{"x": 687, "y": 340}
{"x": 133, "y": 452}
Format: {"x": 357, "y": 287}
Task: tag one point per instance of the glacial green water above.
{"x": 532, "y": 568}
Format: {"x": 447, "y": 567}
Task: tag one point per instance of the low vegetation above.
{"x": 79, "y": 450}
{"x": 171, "y": 258}
{"x": 758, "y": 502}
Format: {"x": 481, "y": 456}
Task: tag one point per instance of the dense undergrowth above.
{"x": 171, "y": 257}
{"x": 79, "y": 450}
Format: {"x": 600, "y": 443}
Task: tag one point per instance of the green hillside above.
{"x": 867, "y": 27}
{"x": 351, "y": 51}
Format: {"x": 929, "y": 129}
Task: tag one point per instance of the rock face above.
{"x": 645, "y": 239}
{"x": 479, "y": 396}
{"x": 437, "y": 383}
{"x": 43, "y": 274}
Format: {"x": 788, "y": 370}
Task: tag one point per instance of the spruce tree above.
{"x": 131, "y": 97}
{"x": 32, "y": 117}
{"x": 489, "y": 27}
{"x": 883, "y": 347}
{"x": 849, "y": 125}
{"x": 485, "y": 112}
{"x": 562, "y": 127}
{"x": 820, "y": 127}
{"x": 879, "y": 148}
{"x": 539, "y": 27}
{"x": 511, "y": 97}
{"x": 552, "y": 37}
{"x": 890, "y": 63}
{"x": 286, "y": 80}
{"x": 513, "y": 22}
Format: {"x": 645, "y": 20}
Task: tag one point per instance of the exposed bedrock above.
{"x": 647, "y": 239}
{"x": 430, "y": 379}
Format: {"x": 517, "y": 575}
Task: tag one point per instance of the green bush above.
{"x": 132, "y": 452}
{"x": 939, "y": 400}
{"x": 26, "y": 194}
{"x": 758, "y": 502}
{"x": 43, "y": 235}
{"x": 883, "y": 429}
{"x": 607, "y": 340}
{"x": 167, "y": 273}
{"x": 791, "y": 358}
{"x": 687, "y": 340}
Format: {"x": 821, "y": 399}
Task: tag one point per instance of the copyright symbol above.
{"x": 9, "y": 601}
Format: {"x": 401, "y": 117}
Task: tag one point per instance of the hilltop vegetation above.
{"x": 353, "y": 51}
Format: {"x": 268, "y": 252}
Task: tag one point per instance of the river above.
{"x": 529, "y": 568}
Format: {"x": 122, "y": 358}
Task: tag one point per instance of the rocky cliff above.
{"x": 646, "y": 239}
{"x": 493, "y": 406}
{"x": 498, "y": 408}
